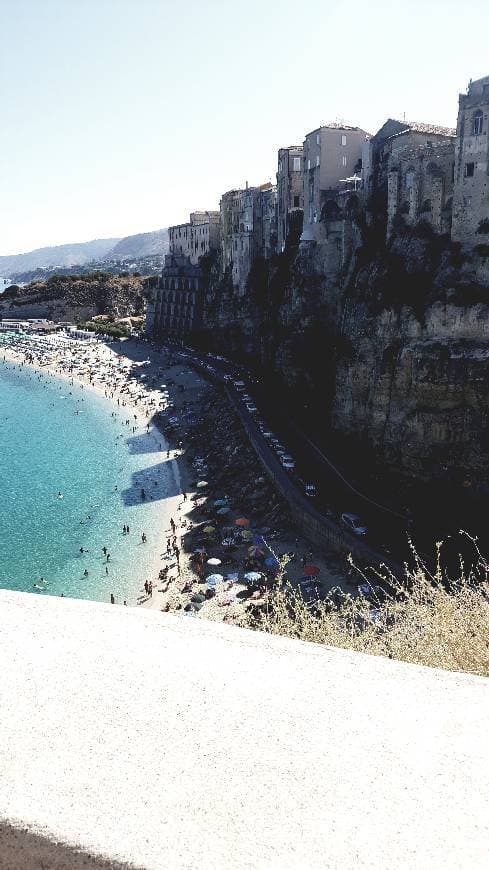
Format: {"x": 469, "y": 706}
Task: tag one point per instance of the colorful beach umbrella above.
{"x": 209, "y": 529}
{"x": 223, "y": 511}
{"x": 255, "y": 552}
{"x": 271, "y": 562}
{"x": 220, "y": 502}
{"x": 201, "y": 484}
{"x": 213, "y": 561}
{"x": 242, "y": 521}
{"x": 246, "y": 534}
{"x": 310, "y": 570}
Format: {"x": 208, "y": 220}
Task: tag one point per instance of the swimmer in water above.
{"x": 60, "y": 495}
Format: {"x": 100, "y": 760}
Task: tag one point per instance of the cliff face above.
{"x": 388, "y": 343}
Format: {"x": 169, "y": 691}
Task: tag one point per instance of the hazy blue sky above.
{"x": 120, "y": 116}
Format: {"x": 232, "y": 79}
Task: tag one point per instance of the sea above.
{"x": 71, "y": 475}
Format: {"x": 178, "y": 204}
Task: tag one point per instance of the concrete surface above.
{"x": 173, "y": 743}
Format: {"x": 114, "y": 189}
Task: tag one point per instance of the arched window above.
{"x": 477, "y": 122}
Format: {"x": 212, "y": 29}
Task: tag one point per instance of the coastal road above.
{"x": 311, "y": 465}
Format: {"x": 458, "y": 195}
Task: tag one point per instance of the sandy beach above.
{"x": 194, "y": 570}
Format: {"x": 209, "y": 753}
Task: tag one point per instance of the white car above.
{"x": 354, "y": 524}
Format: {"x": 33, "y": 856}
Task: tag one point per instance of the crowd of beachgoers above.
{"x": 226, "y": 536}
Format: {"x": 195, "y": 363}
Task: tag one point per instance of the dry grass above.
{"x": 423, "y": 620}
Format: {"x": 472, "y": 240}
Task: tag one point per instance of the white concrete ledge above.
{"x": 176, "y": 743}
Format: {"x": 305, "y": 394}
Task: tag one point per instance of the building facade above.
{"x": 420, "y": 186}
{"x": 331, "y": 154}
{"x": 196, "y": 238}
{"x": 176, "y": 299}
{"x": 248, "y": 230}
{"x": 470, "y": 223}
{"x": 290, "y": 189}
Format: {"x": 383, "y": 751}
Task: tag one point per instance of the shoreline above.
{"x": 173, "y": 506}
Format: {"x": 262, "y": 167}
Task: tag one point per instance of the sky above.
{"x": 122, "y": 116}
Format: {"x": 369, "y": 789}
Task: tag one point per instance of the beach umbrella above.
{"x": 310, "y": 570}
{"x": 201, "y": 484}
{"x": 271, "y": 562}
{"x": 223, "y": 511}
{"x": 241, "y": 522}
{"x": 197, "y": 599}
{"x": 213, "y": 561}
{"x": 209, "y": 530}
{"x": 220, "y": 502}
{"x": 214, "y": 579}
{"x": 252, "y": 576}
{"x": 255, "y": 551}
{"x": 246, "y": 534}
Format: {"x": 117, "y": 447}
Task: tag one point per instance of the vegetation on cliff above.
{"x": 93, "y": 293}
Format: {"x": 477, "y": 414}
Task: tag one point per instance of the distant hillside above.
{"x": 76, "y": 254}
{"x": 82, "y": 253}
{"x": 76, "y": 297}
{"x": 141, "y": 245}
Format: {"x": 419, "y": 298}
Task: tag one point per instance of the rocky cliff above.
{"x": 75, "y": 298}
{"x": 387, "y": 343}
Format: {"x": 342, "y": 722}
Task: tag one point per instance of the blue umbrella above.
{"x": 271, "y": 562}
{"x": 214, "y": 579}
{"x": 253, "y": 576}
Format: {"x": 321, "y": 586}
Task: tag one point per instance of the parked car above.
{"x": 354, "y": 524}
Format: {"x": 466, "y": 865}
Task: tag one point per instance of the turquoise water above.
{"x": 57, "y": 438}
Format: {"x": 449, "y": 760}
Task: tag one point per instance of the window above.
{"x": 343, "y": 140}
{"x": 343, "y": 161}
{"x": 477, "y": 123}
{"x": 469, "y": 170}
{"x": 296, "y": 201}
{"x": 409, "y": 180}
{"x": 297, "y": 164}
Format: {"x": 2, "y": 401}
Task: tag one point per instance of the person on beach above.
{"x": 104, "y": 550}
{"x": 106, "y": 569}
{"x": 184, "y": 495}
{"x": 168, "y": 545}
{"x": 112, "y": 599}
{"x": 146, "y": 586}
{"x": 108, "y": 557}
{"x": 172, "y": 523}
{"x": 143, "y": 538}
{"x": 85, "y": 573}
{"x": 143, "y": 493}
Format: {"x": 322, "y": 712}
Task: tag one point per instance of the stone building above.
{"x": 176, "y": 299}
{"x": 420, "y": 185}
{"x": 248, "y": 230}
{"x": 290, "y": 189}
{"x": 198, "y": 237}
{"x": 470, "y": 224}
{"x": 407, "y": 170}
{"x": 331, "y": 153}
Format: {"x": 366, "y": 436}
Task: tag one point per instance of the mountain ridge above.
{"x": 82, "y": 253}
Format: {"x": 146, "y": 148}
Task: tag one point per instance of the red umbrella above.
{"x": 242, "y": 522}
{"x": 311, "y": 570}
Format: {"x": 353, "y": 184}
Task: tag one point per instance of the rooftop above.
{"x": 169, "y": 741}
{"x": 429, "y": 129}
